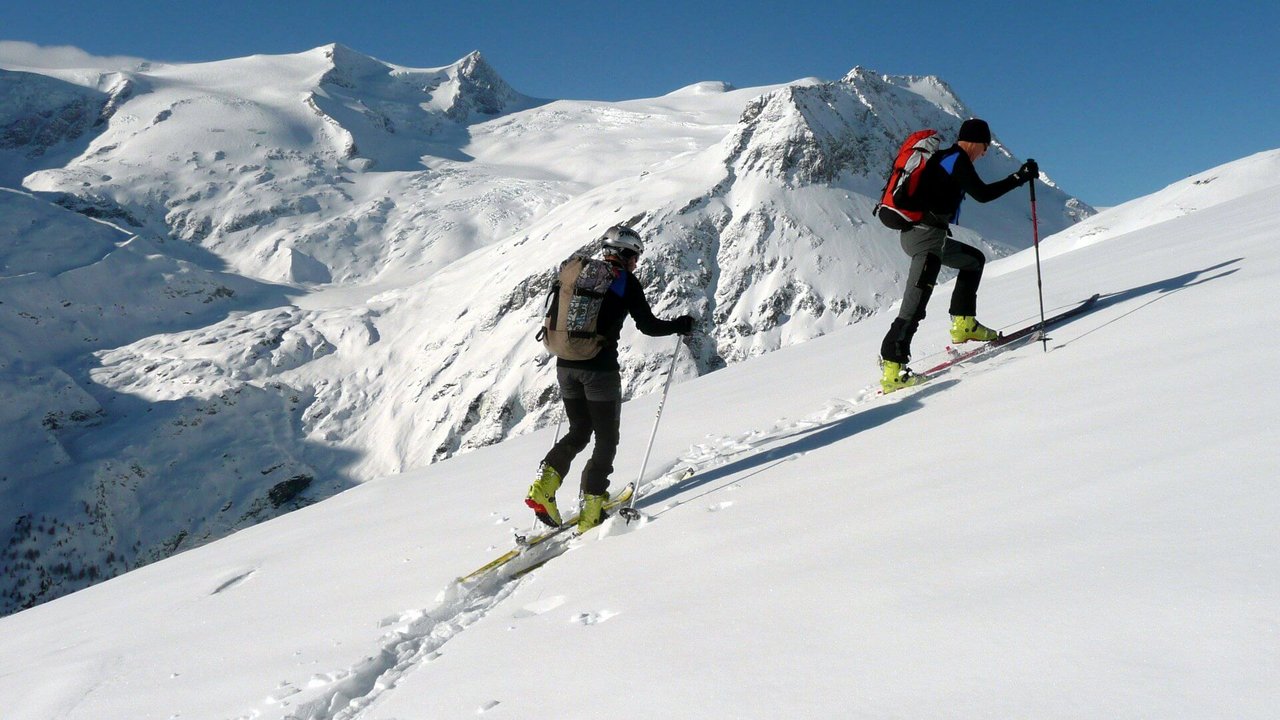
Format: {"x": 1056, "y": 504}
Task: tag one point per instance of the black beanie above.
{"x": 975, "y": 130}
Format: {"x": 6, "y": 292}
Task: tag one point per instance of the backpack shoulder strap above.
{"x": 948, "y": 161}
{"x": 619, "y": 285}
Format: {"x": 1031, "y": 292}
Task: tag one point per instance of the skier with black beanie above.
{"x": 946, "y": 179}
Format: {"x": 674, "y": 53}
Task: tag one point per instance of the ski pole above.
{"x": 629, "y": 512}
{"x": 1035, "y": 231}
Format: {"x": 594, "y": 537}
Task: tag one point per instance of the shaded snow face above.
{"x": 46, "y": 121}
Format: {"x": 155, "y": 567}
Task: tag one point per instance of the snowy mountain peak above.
{"x": 473, "y": 65}
{"x": 343, "y": 54}
{"x": 859, "y": 73}
{"x": 349, "y": 67}
{"x": 480, "y": 90}
{"x": 465, "y": 90}
{"x": 814, "y": 133}
{"x": 934, "y": 90}
{"x": 707, "y": 87}
{"x": 929, "y": 88}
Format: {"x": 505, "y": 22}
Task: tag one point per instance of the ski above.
{"x": 1014, "y": 338}
{"x": 523, "y": 543}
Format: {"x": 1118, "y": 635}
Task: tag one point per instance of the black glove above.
{"x": 684, "y": 324}
{"x": 1028, "y": 172}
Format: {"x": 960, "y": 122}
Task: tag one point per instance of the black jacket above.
{"x": 625, "y": 297}
{"x": 947, "y": 178}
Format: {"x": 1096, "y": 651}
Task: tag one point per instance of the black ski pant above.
{"x": 930, "y": 249}
{"x": 593, "y": 405}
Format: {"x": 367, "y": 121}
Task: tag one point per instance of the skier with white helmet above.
{"x": 592, "y": 388}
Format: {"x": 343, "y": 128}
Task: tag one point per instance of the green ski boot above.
{"x": 542, "y": 495}
{"x": 966, "y": 327}
{"x": 897, "y": 376}
{"x": 592, "y": 511}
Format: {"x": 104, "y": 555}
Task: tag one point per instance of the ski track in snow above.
{"x": 345, "y": 694}
{"x": 420, "y": 635}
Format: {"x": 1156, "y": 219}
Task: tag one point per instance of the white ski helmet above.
{"x": 622, "y": 241}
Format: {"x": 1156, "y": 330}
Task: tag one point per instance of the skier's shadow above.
{"x": 803, "y": 441}
{"x": 837, "y": 430}
{"x": 1161, "y": 289}
{"x": 1170, "y": 285}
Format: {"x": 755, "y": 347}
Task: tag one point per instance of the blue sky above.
{"x": 1115, "y": 99}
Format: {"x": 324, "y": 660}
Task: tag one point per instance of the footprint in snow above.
{"x": 836, "y": 409}
{"x": 407, "y": 616}
{"x": 593, "y": 618}
{"x": 233, "y": 581}
{"x": 540, "y": 607}
{"x": 282, "y": 691}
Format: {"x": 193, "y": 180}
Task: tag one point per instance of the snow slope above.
{"x": 1087, "y": 532}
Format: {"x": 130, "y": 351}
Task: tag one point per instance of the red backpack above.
{"x": 897, "y": 208}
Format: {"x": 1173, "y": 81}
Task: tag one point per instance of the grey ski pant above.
{"x": 593, "y": 405}
{"x": 930, "y": 249}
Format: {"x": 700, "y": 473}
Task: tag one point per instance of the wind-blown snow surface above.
{"x": 169, "y": 393}
{"x": 1087, "y": 532}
